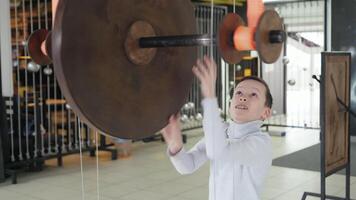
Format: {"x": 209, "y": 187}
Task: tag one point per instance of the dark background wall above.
{"x": 343, "y": 38}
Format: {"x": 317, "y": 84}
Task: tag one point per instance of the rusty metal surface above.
{"x": 98, "y": 80}
{"x": 137, "y": 55}
{"x": 269, "y": 52}
{"x": 225, "y": 38}
{"x": 34, "y": 47}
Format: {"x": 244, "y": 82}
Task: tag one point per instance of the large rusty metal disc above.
{"x": 101, "y": 84}
{"x": 225, "y": 38}
{"x": 269, "y": 21}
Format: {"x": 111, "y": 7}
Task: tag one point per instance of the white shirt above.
{"x": 240, "y": 156}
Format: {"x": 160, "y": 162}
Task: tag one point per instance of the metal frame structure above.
{"x": 284, "y": 118}
{"x": 28, "y": 151}
{"x": 4, "y": 62}
{"x": 323, "y": 173}
{"x": 2, "y": 131}
{"x": 12, "y": 163}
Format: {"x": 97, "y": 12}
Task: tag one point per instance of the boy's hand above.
{"x": 205, "y": 71}
{"x": 172, "y": 135}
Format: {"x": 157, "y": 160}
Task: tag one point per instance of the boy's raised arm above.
{"x": 214, "y": 129}
{"x": 184, "y": 162}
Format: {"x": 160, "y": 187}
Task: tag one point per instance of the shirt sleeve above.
{"x": 214, "y": 129}
{"x": 188, "y": 162}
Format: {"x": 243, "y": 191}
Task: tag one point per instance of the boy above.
{"x": 239, "y": 153}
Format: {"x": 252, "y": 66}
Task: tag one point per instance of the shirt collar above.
{"x": 235, "y": 130}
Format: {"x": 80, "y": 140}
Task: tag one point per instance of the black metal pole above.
{"x": 322, "y": 130}
{"x": 285, "y": 68}
{"x": 322, "y": 173}
{"x": 275, "y": 36}
{"x": 346, "y": 107}
{"x": 348, "y": 166}
{"x": 176, "y": 41}
{"x": 348, "y": 174}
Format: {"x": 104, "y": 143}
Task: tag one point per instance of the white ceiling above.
{"x": 306, "y": 16}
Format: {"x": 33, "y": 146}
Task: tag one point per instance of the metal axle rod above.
{"x": 275, "y": 36}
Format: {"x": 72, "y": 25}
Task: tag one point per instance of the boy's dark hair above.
{"x": 269, "y": 99}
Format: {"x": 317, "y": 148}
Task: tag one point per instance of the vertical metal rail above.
{"x": 192, "y": 111}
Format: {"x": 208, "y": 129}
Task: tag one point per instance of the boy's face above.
{"x": 248, "y": 102}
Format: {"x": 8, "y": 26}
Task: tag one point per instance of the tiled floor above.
{"x": 149, "y": 175}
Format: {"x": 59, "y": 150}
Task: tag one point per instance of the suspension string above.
{"x": 211, "y": 27}
{"x": 234, "y": 65}
{"x": 34, "y": 92}
{"x": 62, "y": 125}
{"x": 76, "y": 132}
{"x": 69, "y": 113}
{"x": 17, "y": 93}
{"x": 41, "y": 89}
{"x": 55, "y": 93}
{"x": 26, "y": 86}
{"x": 11, "y": 108}
{"x": 55, "y": 128}
{"x": 201, "y": 13}
{"x": 48, "y": 95}
{"x": 211, "y": 56}
{"x": 46, "y": 15}
{"x": 87, "y": 138}
{"x": 81, "y": 157}
{"x": 97, "y": 164}
{"x": 49, "y": 124}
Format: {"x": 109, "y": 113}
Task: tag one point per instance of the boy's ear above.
{"x": 266, "y": 113}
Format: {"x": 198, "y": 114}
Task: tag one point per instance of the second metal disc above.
{"x": 269, "y": 21}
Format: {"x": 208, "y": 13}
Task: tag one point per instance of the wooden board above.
{"x": 335, "y": 119}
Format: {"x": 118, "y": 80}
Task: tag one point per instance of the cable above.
{"x": 211, "y": 56}
{"x": 97, "y": 164}
{"x": 81, "y": 157}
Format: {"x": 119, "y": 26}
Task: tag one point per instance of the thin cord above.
{"x": 234, "y": 6}
{"x": 97, "y": 165}
{"x": 81, "y": 157}
{"x": 41, "y": 89}
{"x": 211, "y": 27}
{"x": 211, "y": 56}
{"x": 18, "y": 83}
